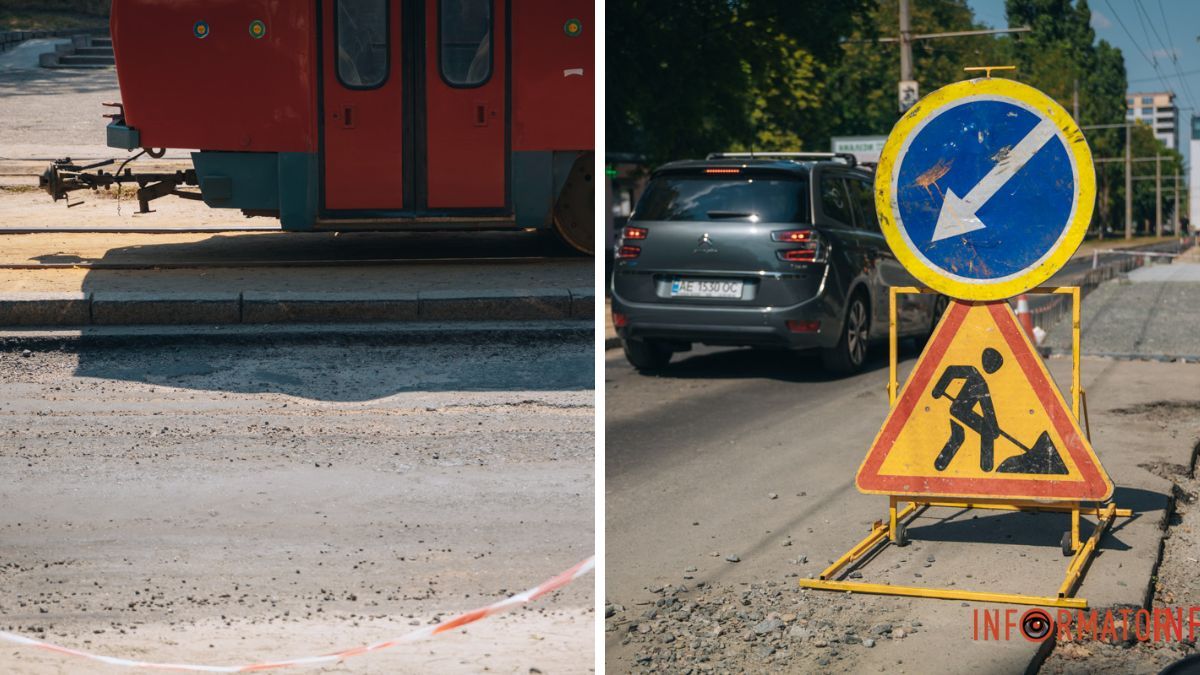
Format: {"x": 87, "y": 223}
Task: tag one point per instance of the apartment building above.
{"x": 1158, "y": 110}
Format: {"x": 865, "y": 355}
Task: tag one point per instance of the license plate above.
{"x": 706, "y": 288}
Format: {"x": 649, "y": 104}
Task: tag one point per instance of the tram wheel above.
{"x": 574, "y": 212}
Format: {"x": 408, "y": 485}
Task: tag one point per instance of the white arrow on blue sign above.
{"x": 985, "y": 188}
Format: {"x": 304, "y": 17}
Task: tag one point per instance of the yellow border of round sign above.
{"x": 1076, "y": 229}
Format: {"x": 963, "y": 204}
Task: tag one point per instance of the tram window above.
{"x": 362, "y": 43}
{"x": 466, "y": 42}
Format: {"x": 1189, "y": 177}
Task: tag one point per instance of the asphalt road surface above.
{"x": 731, "y": 474}
{"x": 220, "y": 501}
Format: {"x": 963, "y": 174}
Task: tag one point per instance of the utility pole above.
{"x": 1175, "y": 217}
{"x": 908, "y": 90}
{"x": 1158, "y": 195}
{"x": 1128, "y": 182}
{"x": 1128, "y": 159}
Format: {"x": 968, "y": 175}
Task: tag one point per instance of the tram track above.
{"x": 137, "y": 230}
{"x": 242, "y": 264}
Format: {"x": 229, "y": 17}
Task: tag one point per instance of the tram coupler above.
{"x": 64, "y": 176}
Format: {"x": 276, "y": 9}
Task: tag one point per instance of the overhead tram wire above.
{"x": 1144, "y": 17}
{"x": 1136, "y": 45}
{"x": 1187, "y": 88}
{"x": 1153, "y": 77}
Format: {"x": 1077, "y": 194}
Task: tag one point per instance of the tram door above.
{"x": 414, "y": 105}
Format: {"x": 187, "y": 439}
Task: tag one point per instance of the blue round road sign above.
{"x": 988, "y": 187}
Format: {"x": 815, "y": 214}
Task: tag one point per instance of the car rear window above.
{"x": 752, "y": 198}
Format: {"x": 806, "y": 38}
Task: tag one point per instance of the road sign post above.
{"x": 984, "y": 190}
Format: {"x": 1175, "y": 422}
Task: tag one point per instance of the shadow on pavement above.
{"x": 322, "y": 248}
{"x": 1020, "y": 528}
{"x": 328, "y": 367}
{"x": 24, "y": 80}
{"x": 740, "y": 363}
{"x": 327, "y": 364}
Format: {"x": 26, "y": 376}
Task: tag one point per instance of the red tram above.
{"x": 363, "y": 114}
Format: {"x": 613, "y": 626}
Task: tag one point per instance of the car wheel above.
{"x": 850, "y": 353}
{"x": 646, "y": 355}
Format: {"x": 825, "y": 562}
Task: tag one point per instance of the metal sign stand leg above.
{"x": 895, "y": 530}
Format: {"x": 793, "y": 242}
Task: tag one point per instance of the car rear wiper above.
{"x": 729, "y": 214}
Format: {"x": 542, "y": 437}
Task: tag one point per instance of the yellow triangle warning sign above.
{"x": 980, "y": 417}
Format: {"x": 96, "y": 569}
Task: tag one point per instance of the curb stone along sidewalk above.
{"x": 256, "y": 307}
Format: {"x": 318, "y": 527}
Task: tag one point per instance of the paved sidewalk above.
{"x": 1151, "y": 313}
{"x": 287, "y": 278}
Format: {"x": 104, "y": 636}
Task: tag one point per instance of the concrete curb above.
{"x": 332, "y": 307}
{"x": 45, "y": 309}
{"x": 112, "y": 308}
{"x": 109, "y": 308}
{"x": 495, "y": 305}
{"x": 583, "y": 303}
{"x": 379, "y": 333}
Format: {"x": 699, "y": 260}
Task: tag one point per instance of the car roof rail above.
{"x": 846, "y": 157}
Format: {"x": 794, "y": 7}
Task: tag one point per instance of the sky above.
{"x": 1162, "y": 32}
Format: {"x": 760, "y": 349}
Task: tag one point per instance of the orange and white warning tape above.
{"x": 548, "y": 586}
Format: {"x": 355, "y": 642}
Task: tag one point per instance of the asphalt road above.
{"x": 196, "y": 498}
{"x": 731, "y": 474}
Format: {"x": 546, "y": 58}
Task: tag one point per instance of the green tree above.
{"x": 1061, "y": 57}
{"x": 687, "y": 78}
{"x": 863, "y": 84}
{"x": 1145, "y": 144}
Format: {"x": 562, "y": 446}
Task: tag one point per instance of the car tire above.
{"x": 850, "y": 354}
{"x": 646, "y": 355}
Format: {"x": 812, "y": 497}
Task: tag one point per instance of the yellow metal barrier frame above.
{"x": 882, "y": 533}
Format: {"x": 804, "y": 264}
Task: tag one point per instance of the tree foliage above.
{"x": 694, "y": 76}
{"x": 687, "y": 78}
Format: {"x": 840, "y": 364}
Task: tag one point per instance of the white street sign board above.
{"x": 909, "y": 94}
{"x": 866, "y": 149}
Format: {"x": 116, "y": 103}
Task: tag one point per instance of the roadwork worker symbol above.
{"x": 973, "y": 396}
{"x": 981, "y": 387}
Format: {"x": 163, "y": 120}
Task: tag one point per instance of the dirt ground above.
{"x": 29, "y": 208}
{"x": 230, "y": 502}
{"x": 1177, "y": 584}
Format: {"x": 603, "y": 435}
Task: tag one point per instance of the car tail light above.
{"x": 724, "y": 170}
{"x": 808, "y": 246}
{"x": 799, "y": 255}
{"x": 804, "y": 326}
{"x": 792, "y": 236}
{"x": 620, "y": 320}
{"x": 634, "y": 233}
{"x": 627, "y": 252}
